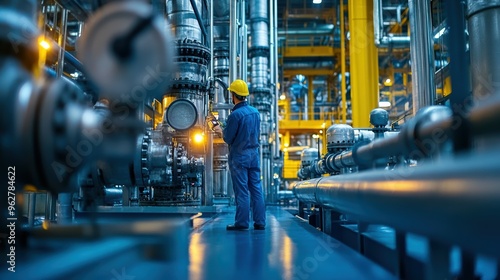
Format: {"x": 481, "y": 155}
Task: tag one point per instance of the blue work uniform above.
{"x": 242, "y": 133}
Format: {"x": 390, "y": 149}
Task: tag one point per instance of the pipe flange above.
{"x": 63, "y": 147}
{"x": 220, "y": 71}
{"x": 258, "y": 52}
{"x": 193, "y": 47}
{"x": 264, "y": 91}
{"x": 188, "y": 84}
{"x": 192, "y": 59}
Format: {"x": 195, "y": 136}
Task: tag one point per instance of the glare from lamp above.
{"x": 198, "y": 137}
{"x": 317, "y": 1}
{"x": 282, "y": 97}
{"x": 388, "y": 81}
{"x": 315, "y": 136}
{"x": 44, "y": 44}
{"x": 384, "y": 104}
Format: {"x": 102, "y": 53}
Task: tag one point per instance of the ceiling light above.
{"x": 316, "y": 1}
{"x": 282, "y": 97}
{"x": 384, "y": 104}
{"x": 440, "y": 33}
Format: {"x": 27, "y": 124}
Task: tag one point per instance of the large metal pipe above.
{"x": 62, "y": 42}
{"x": 181, "y": 15}
{"x": 233, "y": 44}
{"x": 243, "y": 42}
{"x": 222, "y": 103}
{"x": 378, "y": 21}
{"x": 261, "y": 92}
{"x": 423, "y": 136}
{"x": 273, "y": 15}
{"x": 198, "y": 18}
{"x": 432, "y": 200}
{"x": 422, "y": 54}
{"x": 484, "y": 37}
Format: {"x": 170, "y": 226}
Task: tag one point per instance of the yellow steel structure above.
{"x": 309, "y": 51}
{"x": 308, "y": 72}
{"x": 363, "y": 62}
{"x": 357, "y": 56}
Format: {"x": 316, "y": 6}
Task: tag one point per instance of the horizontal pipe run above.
{"x": 454, "y": 201}
{"x": 425, "y": 134}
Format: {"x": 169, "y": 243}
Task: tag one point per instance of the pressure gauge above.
{"x": 128, "y": 52}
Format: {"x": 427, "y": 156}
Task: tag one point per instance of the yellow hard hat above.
{"x": 239, "y": 87}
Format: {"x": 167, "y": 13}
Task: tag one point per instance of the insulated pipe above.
{"x": 431, "y": 200}
{"x": 233, "y": 44}
{"x": 200, "y": 21}
{"x": 274, "y": 74}
{"x": 261, "y": 92}
{"x": 378, "y": 21}
{"x": 483, "y": 17}
{"x": 220, "y": 62}
{"x": 422, "y": 136}
{"x": 422, "y": 54}
{"x": 62, "y": 42}
{"x": 180, "y": 14}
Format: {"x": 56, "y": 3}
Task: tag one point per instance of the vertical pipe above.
{"x": 244, "y": 42}
{"x": 211, "y": 15}
{"x": 134, "y": 196}
{"x": 422, "y": 54}
{"x": 31, "y": 208}
{"x": 484, "y": 37}
{"x": 378, "y": 20}
{"x": 62, "y": 42}
{"x": 274, "y": 59}
{"x": 64, "y": 209}
{"x": 209, "y": 171}
{"x": 50, "y": 207}
{"x": 364, "y": 62}
{"x": 484, "y": 61}
{"x": 310, "y": 97}
{"x": 233, "y": 44}
{"x": 343, "y": 62}
{"x": 208, "y": 196}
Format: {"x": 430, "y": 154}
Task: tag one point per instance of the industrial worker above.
{"x": 241, "y": 133}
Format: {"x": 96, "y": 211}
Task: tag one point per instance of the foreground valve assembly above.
{"x": 168, "y": 165}
{"x": 53, "y": 134}
{"x": 45, "y": 122}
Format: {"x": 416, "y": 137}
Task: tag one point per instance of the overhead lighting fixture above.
{"x": 282, "y": 97}
{"x": 440, "y": 33}
{"x": 384, "y": 104}
{"x": 317, "y": 1}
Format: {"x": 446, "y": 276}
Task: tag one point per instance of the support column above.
{"x": 364, "y": 62}
{"x": 310, "y": 98}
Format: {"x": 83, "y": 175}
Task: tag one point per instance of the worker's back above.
{"x": 242, "y": 131}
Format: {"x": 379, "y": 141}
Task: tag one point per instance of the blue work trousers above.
{"x": 245, "y": 173}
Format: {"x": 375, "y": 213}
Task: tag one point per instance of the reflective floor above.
{"x": 289, "y": 248}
